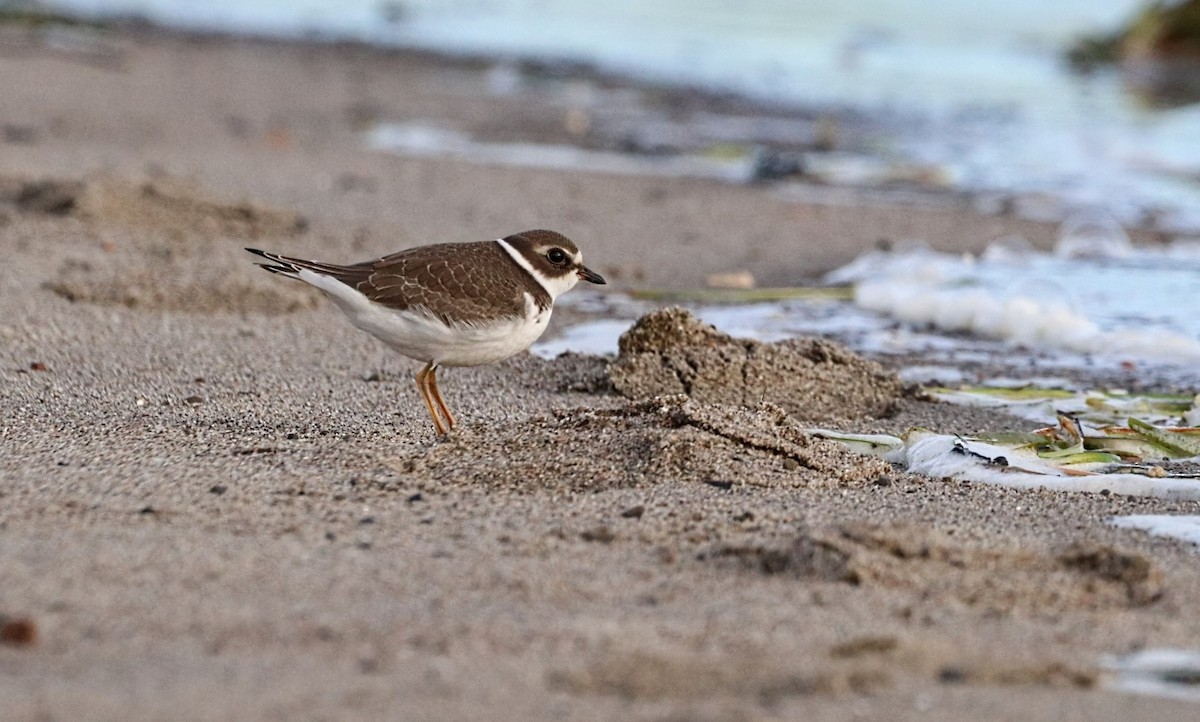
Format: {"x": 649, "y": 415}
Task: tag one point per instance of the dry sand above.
{"x": 218, "y": 501}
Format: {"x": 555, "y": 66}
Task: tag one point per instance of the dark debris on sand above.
{"x": 1000, "y": 579}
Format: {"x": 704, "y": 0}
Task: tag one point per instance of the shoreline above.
{"x": 267, "y": 130}
{"x": 770, "y": 151}
{"x": 814, "y": 150}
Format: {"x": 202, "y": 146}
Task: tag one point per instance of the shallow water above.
{"x": 975, "y": 95}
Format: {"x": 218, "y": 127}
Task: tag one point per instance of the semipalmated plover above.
{"x": 451, "y": 304}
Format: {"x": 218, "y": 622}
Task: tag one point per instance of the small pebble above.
{"x": 952, "y": 675}
{"x": 18, "y": 632}
{"x": 730, "y": 279}
{"x": 601, "y": 534}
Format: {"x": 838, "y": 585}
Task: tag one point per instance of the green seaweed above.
{"x": 1023, "y": 393}
{"x": 1015, "y": 439}
{"x": 1180, "y": 445}
{"x": 1129, "y": 447}
{"x": 1087, "y": 457}
{"x": 868, "y": 444}
{"x": 1062, "y": 452}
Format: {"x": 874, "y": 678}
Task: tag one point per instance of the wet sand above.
{"x": 218, "y": 500}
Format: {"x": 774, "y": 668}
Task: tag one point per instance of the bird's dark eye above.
{"x": 557, "y": 256}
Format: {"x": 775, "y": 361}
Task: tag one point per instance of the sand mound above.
{"x": 159, "y": 245}
{"x": 671, "y": 352}
{"x": 666, "y": 440}
{"x": 938, "y": 566}
{"x": 180, "y": 210}
{"x": 194, "y": 289}
{"x": 171, "y": 208}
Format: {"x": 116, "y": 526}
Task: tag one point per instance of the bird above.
{"x": 450, "y": 304}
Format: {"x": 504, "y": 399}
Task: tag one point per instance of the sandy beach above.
{"x": 220, "y": 501}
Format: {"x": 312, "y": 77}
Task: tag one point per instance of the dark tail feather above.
{"x": 280, "y": 265}
{"x": 282, "y": 270}
{"x": 291, "y": 266}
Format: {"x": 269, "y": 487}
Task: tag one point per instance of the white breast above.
{"x": 421, "y": 336}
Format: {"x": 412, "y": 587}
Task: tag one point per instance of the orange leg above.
{"x": 426, "y": 386}
{"x": 437, "y": 396}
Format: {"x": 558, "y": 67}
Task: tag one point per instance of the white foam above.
{"x": 932, "y": 374}
{"x": 1096, "y": 295}
{"x": 1185, "y": 527}
{"x": 1161, "y": 672}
